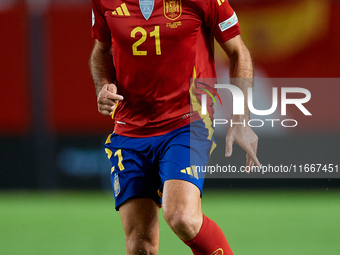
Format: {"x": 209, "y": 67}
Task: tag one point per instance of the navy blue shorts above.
{"x": 140, "y": 166}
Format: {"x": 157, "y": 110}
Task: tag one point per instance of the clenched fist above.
{"x": 107, "y": 99}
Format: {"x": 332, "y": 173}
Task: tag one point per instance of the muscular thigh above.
{"x": 181, "y": 196}
{"x": 140, "y": 222}
{"x": 182, "y": 208}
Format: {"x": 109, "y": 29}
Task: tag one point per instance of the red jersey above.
{"x": 158, "y": 46}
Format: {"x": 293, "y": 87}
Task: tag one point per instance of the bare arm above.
{"x": 241, "y": 74}
{"x": 241, "y": 64}
{"x": 103, "y": 74}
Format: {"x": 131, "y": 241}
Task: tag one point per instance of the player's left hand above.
{"x": 246, "y": 138}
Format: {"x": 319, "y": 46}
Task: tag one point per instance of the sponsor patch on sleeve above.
{"x": 224, "y": 25}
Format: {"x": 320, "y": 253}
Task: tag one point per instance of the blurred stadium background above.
{"x": 55, "y": 192}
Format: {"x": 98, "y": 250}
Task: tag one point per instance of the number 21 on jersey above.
{"x": 154, "y": 33}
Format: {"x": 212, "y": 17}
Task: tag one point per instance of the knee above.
{"x": 184, "y": 223}
{"x": 140, "y": 243}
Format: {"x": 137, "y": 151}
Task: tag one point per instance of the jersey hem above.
{"x": 153, "y": 131}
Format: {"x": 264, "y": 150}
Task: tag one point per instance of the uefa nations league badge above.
{"x": 146, "y": 7}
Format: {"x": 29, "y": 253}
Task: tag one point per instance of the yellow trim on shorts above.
{"x": 108, "y": 139}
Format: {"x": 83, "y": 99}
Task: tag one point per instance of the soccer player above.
{"x": 146, "y": 52}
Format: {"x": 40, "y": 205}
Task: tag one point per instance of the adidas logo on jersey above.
{"x": 220, "y": 2}
{"x": 121, "y": 11}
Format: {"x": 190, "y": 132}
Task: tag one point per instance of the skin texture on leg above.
{"x": 182, "y": 208}
{"x": 141, "y": 226}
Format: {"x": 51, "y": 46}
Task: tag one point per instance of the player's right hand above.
{"x": 108, "y": 99}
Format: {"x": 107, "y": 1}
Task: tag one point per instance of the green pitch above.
{"x": 255, "y": 222}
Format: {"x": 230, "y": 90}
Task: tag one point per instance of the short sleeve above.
{"x": 100, "y": 29}
{"x": 221, "y": 19}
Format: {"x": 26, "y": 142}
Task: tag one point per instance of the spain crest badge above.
{"x": 116, "y": 185}
{"x": 172, "y": 9}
